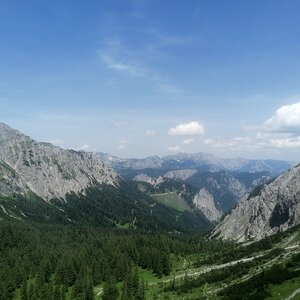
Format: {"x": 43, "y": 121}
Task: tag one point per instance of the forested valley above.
{"x": 43, "y": 261}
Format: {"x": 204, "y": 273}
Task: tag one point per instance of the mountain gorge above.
{"x": 219, "y": 183}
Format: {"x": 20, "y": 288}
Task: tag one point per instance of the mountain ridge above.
{"x": 271, "y": 208}
{"x": 50, "y": 171}
{"x": 208, "y": 162}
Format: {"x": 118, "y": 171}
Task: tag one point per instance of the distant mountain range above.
{"x": 218, "y": 183}
{"x": 183, "y": 192}
{"x": 41, "y": 182}
{"x": 200, "y": 161}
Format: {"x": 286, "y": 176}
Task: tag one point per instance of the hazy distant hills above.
{"x": 200, "y": 161}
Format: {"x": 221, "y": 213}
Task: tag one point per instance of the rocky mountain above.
{"x": 268, "y": 209}
{"x": 145, "y": 178}
{"x": 44, "y": 183}
{"x": 225, "y": 188}
{"x": 180, "y": 174}
{"x": 220, "y": 183}
{"x": 48, "y": 171}
{"x": 205, "y": 202}
{"x": 200, "y": 161}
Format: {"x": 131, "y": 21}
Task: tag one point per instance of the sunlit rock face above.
{"x": 272, "y": 208}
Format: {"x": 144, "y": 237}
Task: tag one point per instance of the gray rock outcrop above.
{"x": 204, "y": 201}
{"x": 273, "y": 207}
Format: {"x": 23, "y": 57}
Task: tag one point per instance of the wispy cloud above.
{"x": 122, "y": 66}
{"x": 140, "y": 61}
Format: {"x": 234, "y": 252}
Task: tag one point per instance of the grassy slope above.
{"x": 173, "y": 200}
{"x": 284, "y": 290}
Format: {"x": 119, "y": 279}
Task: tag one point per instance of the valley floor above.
{"x": 70, "y": 263}
{"x": 184, "y": 272}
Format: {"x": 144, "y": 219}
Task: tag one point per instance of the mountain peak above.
{"x": 7, "y": 132}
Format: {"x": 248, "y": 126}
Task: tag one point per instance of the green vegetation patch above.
{"x": 173, "y": 200}
{"x": 284, "y": 290}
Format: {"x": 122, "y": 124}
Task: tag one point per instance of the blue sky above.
{"x": 138, "y": 78}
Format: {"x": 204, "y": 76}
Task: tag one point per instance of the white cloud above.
{"x": 192, "y": 128}
{"x": 281, "y": 131}
{"x": 285, "y": 119}
{"x": 293, "y": 142}
{"x": 150, "y": 133}
{"x": 174, "y": 149}
{"x": 188, "y": 141}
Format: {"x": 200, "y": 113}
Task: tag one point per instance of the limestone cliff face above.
{"x": 180, "y": 174}
{"x": 204, "y": 201}
{"x": 274, "y": 207}
{"x": 48, "y": 171}
{"x": 10, "y": 181}
{"x": 142, "y": 177}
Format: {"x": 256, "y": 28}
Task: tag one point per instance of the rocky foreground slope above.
{"x": 271, "y": 208}
{"x": 48, "y": 171}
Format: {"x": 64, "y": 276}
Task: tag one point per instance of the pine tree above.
{"x": 31, "y": 292}
{"x": 110, "y": 290}
{"x": 125, "y": 292}
{"x": 24, "y": 290}
{"x": 141, "y": 291}
{"x": 57, "y": 293}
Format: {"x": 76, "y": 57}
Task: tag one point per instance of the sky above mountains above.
{"x": 137, "y": 78}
